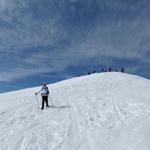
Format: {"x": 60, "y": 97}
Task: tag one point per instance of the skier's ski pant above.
{"x": 44, "y": 100}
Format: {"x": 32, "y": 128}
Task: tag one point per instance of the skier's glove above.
{"x": 36, "y": 93}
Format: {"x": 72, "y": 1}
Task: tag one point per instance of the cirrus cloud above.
{"x": 40, "y": 36}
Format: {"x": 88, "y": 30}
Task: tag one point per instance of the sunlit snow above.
{"x": 107, "y": 111}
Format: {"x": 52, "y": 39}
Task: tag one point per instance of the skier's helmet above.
{"x": 44, "y": 84}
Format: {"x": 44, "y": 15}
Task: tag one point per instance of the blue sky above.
{"x": 49, "y": 40}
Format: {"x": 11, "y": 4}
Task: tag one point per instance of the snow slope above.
{"x": 108, "y": 111}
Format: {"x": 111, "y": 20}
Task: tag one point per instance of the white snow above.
{"x": 108, "y": 111}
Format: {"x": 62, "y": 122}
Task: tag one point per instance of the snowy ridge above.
{"x": 107, "y": 111}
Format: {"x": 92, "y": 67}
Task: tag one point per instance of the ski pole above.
{"x": 51, "y": 100}
{"x": 37, "y": 102}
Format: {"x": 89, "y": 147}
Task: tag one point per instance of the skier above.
{"x": 44, "y": 93}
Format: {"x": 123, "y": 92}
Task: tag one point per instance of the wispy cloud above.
{"x": 50, "y": 36}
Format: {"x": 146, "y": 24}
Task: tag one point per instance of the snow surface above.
{"x": 107, "y": 111}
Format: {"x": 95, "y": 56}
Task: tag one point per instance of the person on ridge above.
{"x": 44, "y": 93}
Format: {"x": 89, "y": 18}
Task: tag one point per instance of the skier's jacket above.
{"x": 44, "y": 91}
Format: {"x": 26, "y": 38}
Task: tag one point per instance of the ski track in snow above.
{"x": 26, "y": 121}
{"x": 98, "y": 117}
